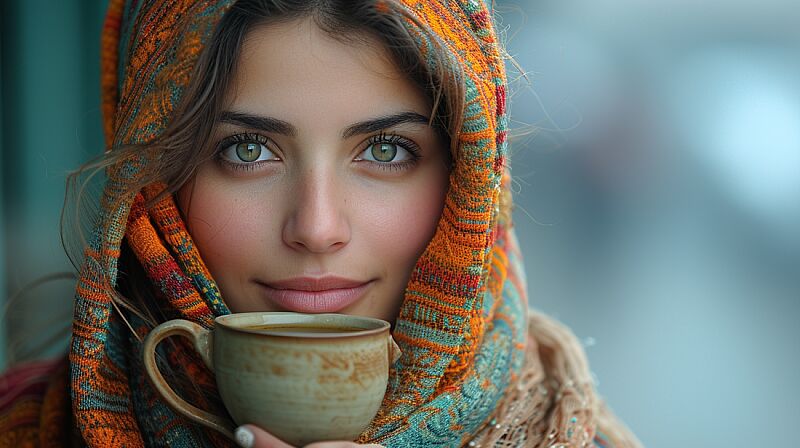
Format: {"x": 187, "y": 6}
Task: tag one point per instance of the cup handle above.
{"x": 203, "y": 343}
{"x": 394, "y": 351}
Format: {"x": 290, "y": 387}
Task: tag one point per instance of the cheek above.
{"x": 404, "y": 226}
{"x": 224, "y": 225}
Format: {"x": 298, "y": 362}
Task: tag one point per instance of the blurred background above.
{"x": 657, "y": 178}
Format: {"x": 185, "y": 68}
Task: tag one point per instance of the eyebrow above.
{"x": 273, "y": 125}
{"x": 265, "y": 124}
{"x": 384, "y": 122}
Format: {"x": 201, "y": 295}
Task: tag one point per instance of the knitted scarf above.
{"x": 468, "y": 355}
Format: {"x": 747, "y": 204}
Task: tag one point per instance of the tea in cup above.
{"x": 302, "y": 377}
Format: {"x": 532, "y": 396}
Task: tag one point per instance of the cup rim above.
{"x": 380, "y": 324}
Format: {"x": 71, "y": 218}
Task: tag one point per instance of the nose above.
{"x": 317, "y": 221}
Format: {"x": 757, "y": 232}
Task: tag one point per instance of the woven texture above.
{"x": 463, "y": 326}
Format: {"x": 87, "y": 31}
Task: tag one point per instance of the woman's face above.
{"x": 328, "y": 181}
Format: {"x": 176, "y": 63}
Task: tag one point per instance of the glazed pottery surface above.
{"x": 326, "y": 383}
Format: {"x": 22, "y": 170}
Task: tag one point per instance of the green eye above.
{"x": 384, "y": 152}
{"x": 248, "y": 151}
{"x": 391, "y": 152}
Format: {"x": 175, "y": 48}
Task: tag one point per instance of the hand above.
{"x": 249, "y": 436}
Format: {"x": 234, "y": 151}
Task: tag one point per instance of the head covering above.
{"x": 461, "y": 338}
{"x": 463, "y": 326}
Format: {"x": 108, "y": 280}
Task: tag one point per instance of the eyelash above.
{"x": 240, "y": 138}
{"x": 408, "y": 145}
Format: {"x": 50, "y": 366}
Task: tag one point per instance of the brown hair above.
{"x": 175, "y": 154}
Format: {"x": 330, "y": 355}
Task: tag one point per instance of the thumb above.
{"x": 250, "y": 436}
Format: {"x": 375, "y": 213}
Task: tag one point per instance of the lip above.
{"x": 328, "y": 294}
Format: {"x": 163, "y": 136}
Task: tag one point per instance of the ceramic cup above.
{"x": 303, "y": 386}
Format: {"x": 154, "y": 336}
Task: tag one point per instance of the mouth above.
{"x": 314, "y": 295}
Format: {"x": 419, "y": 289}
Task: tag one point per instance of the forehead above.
{"x": 297, "y": 71}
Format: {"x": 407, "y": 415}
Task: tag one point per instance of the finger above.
{"x": 249, "y": 436}
{"x": 340, "y": 445}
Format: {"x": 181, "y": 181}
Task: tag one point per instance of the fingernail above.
{"x": 244, "y": 437}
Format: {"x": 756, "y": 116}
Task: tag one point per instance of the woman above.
{"x": 314, "y": 156}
